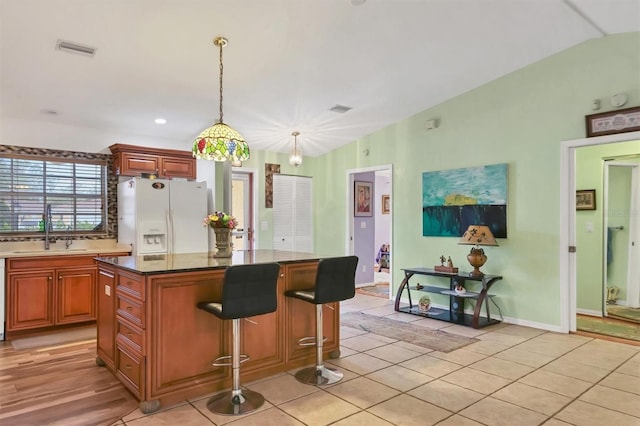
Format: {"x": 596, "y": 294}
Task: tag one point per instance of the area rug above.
{"x": 378, "y": 290}
{"x": 629, "y": 314}
{"x": 607, "y": 327}
{"x": 421, "y": 336}
{"x": 83, "y": 334}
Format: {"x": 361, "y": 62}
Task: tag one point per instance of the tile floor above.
{"x": 512, "y": 376}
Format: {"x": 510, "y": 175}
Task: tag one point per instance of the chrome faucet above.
{"x": 69, "y": 241}
{"x": 47, "y": 226}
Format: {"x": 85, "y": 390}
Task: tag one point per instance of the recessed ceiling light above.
{"x": 160, "y": 121}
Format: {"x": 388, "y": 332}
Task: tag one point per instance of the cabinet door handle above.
{"x": 50, "y": 278}
{"x": 128, "y": 366}
{"x": 59, "y": 277}
{"x": 129, "y": 308}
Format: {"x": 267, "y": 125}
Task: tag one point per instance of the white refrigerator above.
{"x": 159, "y": 216}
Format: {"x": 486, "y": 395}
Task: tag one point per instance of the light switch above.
{"x": 589, "y": 226}
{"x": 363, "y": 225}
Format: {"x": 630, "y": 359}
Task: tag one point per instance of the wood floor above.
{"x": 59, "y": 385}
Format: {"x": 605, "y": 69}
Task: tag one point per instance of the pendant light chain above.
{"x": 221, "y": 44}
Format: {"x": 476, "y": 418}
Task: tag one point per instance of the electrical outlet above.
{"x": 107, "y": 290}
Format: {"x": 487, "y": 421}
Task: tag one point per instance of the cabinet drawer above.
{"x": 132, "y": 285}
{"x": 131, "y": 336}
{"x": 130, "y": 370}
{"x": 131, "y": 310}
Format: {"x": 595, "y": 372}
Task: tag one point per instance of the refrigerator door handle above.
{"x": 169, "y": 232}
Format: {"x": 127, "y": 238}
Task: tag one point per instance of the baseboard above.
{"x": 589, "y": 312}
{"x": 506, "y": 320}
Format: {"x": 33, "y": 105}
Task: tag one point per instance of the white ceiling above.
{"x": 287, "y": 63}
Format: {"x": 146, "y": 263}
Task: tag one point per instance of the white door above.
{"x": 292, "y": 213}
{"x": 241, "y": 209}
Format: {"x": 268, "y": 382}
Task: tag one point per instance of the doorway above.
{"x": 242, "y": 208}
{"x": 621, "y": 283}
{"x": 370, "y": 234}
{"x": 567, "y": 250}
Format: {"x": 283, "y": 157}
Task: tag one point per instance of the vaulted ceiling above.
{"x": 288, "y": 62}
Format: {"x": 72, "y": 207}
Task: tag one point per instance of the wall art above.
{"x": 454, "y": 199}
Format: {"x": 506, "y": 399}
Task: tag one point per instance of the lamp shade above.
{"x": 479, "y": 235}
{"x": 220, "y": 143}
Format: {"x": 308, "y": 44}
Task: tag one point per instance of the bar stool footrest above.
{"x": 309, "y": 341}
{"x": 217, "y": 363}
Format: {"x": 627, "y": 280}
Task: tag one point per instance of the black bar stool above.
{"x": 335, "y": 281}
{"x": 247, "y": 290}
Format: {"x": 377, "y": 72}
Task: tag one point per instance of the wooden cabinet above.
{"x": 132, "y": 160}
{"x": 50, "y": 291}
{"x": 130, "y": 330}
{"x": 30, "y": 300}
{"x": 163, "y": 346}
{"x": 76, "y": 295}
{"x": 106, "y": 329}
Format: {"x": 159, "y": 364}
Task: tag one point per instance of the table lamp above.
{"x": 477, "y": 235}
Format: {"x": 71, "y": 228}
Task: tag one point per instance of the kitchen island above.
{"x": 161, "y": 347}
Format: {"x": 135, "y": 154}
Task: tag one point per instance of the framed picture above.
{"x": 608, "y": 123}
{"x": 386, "y": 204}
{"x": 362, "y": 198}
{"x": 586, "y": 199}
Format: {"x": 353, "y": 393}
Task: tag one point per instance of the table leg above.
{"x": 403, "y": 284}
{"x": 475, "y": 321}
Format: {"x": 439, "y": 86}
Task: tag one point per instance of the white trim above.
{"x": 567, "y": 238}
{"x": 349, "y": 211}
{"x": 255, "y": 175}
{"x": 589, "y": 312}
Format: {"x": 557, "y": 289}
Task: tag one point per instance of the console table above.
{"x": 455, "y": 313}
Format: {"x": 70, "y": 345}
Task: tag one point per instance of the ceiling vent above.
{"x": 340, "y": 109}
{"x": 67, "y": 46}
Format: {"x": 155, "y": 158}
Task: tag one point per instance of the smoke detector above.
{"x": 67, "y": 46}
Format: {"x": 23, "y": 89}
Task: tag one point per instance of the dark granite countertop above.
{"x": 167, "y": 263}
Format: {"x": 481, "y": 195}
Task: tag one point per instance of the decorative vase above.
{"x": 424, "y": 304}
{"x": 223, "y": 242}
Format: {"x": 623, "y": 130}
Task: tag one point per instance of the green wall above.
{"x": 519, "y": 119}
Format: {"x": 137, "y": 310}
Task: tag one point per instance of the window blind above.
{"x": 75, "y": 189}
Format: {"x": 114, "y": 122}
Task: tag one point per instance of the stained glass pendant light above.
{"x": 295, "y": 157}
{"x": 220, "y": 142}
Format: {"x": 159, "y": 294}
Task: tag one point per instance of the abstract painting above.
{"x": 454, "y": 199}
